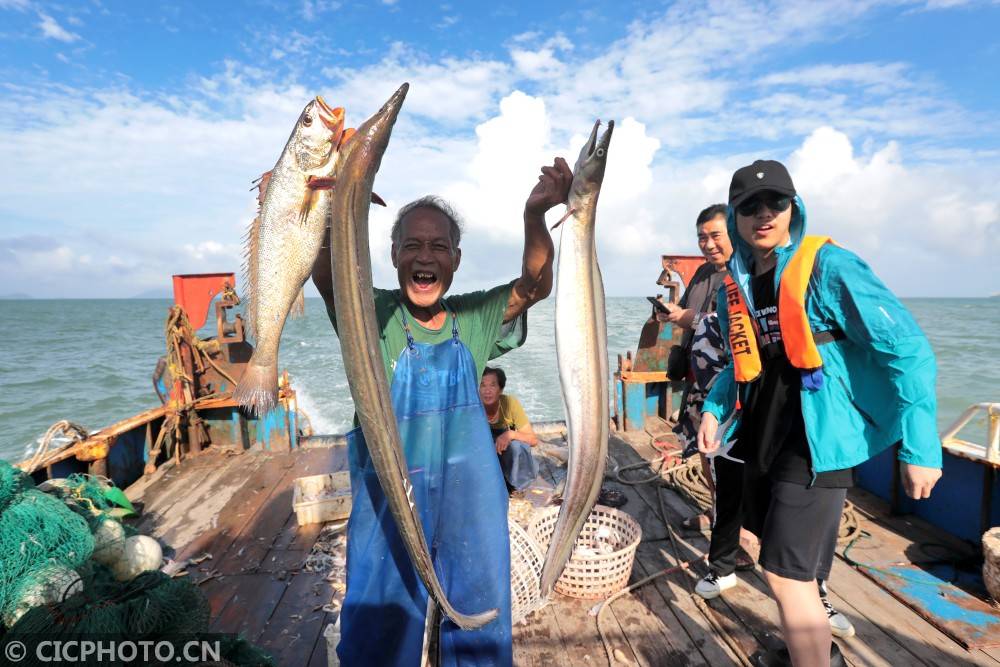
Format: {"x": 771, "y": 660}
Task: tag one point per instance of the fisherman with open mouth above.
{"x": 434, "y": 349}
{"x": 827, "y": 370}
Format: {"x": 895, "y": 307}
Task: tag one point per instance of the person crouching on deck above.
{"x": 827, "y": 370}
{"x": 434, "y": 349}
{"x": 512, "y": 432}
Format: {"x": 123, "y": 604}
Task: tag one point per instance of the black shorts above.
{"x": 797, "y": 526}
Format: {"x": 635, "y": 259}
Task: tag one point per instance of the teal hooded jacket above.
{"x": 878, "y": 380}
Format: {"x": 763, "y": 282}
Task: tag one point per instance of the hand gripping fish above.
{"x": 359, "y": 342}
{"x": 284, "y": 240}
{"x": 582, "y": 351}
{"x": 725, "y": 444}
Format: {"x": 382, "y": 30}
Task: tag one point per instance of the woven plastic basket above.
{"x": 597, "y": 576}
{"x": 526, "y": 559}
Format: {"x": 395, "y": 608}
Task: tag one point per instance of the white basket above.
{"x": 526, "y": 559}
{"x": 598, "y": 576}
{"x": 322, "y": 498}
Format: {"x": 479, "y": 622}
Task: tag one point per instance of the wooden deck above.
{"x": 238, "y": 509}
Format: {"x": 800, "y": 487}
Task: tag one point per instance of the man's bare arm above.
{"x": 535, "y": 282}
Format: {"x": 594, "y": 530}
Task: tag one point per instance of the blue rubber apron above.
{"x": 460, "y": 494}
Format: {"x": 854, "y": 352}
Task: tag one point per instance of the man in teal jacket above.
{"x": 801, "y": 432}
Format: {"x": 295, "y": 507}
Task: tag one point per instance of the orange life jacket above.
{"x": 796, "y": 334}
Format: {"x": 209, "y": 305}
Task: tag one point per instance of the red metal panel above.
{"x": 194, "y": 293}
{"x": 685, "y": 265}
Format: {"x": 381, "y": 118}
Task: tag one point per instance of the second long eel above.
{"x": 582, "y": 353}
{"x": 358, "y": 330}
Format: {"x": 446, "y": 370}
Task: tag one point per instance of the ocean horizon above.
{"x": 91, "y": 361}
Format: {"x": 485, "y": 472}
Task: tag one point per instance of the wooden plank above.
{"x": 253, "y": 602}
{"x": 904, "y": 529}
{"x": 666, "y": 596}
{"x": 319, "y": 652}
{"x": 855, "y": 651}
{"x": 197, "y": 509}
{"x": 676, "y": 590}
{"x": 682, "y": 640}
{"x": 228, "y": 522}
{"x": 582, "y": 643}
{"x": 292, "y": 631}
{"x": 916, "y": 635}
{"x": 185, "y": 513}
{"x": 651, "y": 640}
{"x": 538, "y": 642}
{"x": 219, "y": 591}
{"x": 283, "y": 560}
{"x": 155, "y": 501}
{"x": 255, "y": 538}
{"x": 892, "y": 538}
{"x": 872, "y": 644}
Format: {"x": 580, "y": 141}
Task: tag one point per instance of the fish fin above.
{"x": 346, "y": 136}
{"x": 307, "y": 203}
{"x": 378, "y": 200}
{"x": 569, "y": 212}
{"x": 251, "y": 254}
{"x": 298, "y": 308}
{"x": 260, "y": 185}
{"x": 321, "y": 182}
{"x": 257, "y": 389}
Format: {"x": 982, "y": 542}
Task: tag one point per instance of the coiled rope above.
{"x": 42, "y": 456}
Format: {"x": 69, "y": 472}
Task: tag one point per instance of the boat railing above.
{"x": 986, "y": 453}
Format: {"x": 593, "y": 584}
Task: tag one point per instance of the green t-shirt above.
{"x": 480, "y": 325}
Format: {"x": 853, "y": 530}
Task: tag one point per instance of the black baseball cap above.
{"x": 762, "y": 175}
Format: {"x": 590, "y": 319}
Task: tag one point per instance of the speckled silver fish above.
{"x": 283, "y": 243}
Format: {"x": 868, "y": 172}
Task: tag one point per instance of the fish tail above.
{"x": 471, "y": 621}
{"x": 257, "y": 390}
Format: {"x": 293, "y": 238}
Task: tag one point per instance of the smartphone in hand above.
{"x": 659, "y": 305}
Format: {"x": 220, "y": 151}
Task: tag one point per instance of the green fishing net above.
{"x": 93, "y": 498}
{"x": 12, "y": 483}
{"x": 50, "y": 587}
{"x": 151, "y": 607}
{"x": 41, "y": 540}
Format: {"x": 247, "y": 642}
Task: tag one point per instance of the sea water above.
{"x": 92, "y": 361}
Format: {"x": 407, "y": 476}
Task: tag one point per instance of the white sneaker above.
{"x": 840, "y": 625}
{"x": 713, "y": 585}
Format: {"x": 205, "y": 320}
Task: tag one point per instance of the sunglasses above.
{"x": 774, "y": 201}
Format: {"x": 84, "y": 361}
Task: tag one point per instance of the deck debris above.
{"x": 329, "y": 558}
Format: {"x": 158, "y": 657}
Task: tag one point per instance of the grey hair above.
{"x": 439, "y": 205}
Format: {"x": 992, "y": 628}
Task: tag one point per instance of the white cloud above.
{"x": 542, "y": 63}
{"x": 877, "y": 202}
{"x": 450, "y": 91}
{"x": 161, "y": 182}
{"x": 52, "y": 30}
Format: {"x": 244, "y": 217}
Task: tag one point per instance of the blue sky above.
{"x": 130, "y": 133}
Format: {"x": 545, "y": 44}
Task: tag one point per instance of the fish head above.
{"x": 588, "y": 174}
{"x": 361, "y": 149}
{"x": 316, "y": 134}
{"x": 424, "y": 256}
